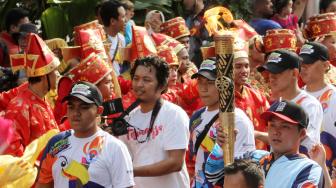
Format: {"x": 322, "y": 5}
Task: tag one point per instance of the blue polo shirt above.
{"x": 290, "y": 171}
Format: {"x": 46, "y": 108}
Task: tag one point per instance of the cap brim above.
{"x": 268, "y": 115}
{"x": 308, "y": 59}
{"x": 81, "y": 97}
{"x": 206, "y": 74}
{"x": 272, "y": 68}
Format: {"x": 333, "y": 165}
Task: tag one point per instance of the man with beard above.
{"x": 158, "y": 132}
{"x": 262, "y": 12}
{"x": 32, "y": 116}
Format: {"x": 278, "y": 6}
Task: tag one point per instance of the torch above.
{"x": 225, "y": 86}
{"x": 224, "y": 42}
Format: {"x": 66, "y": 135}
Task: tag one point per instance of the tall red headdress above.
{"x": 38, "y": 59}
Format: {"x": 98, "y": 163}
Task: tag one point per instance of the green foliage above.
{"x": 58, "y": 17}
{"x": 240, "y": 9}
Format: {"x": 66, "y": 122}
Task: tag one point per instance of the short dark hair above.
{"x": 278, "y": 5}
{"x": 34, "y": 80}
{"x": 324, "y": 4}
{"x": 108, "y": 10}
{"x": 161, "y": 67}
{"x": 251, "y": 171}
{"x": 14, "y": 16}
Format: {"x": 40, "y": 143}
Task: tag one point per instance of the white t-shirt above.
{"x": 327, "y": 98}
{"x": 314, "y": 111}
{"x": 170, "y": 132}
{"x": 244, "y": 139}
{"x": 114, "y": 41}
{"x": 105, "y": 158}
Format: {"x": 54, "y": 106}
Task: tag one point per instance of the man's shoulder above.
{"x": 170, "y": 107}
{"x": 111, "y": 141}
{"x": 307, "y": 99}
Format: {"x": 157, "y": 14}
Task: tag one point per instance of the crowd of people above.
{"x": 123, "y": 105}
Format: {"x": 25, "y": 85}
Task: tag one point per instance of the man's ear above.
{"x": 296, "y": 73}
{"x": 303, "y": 134}
{"x": 327, "y": 66}
{"x": 112, "y": 21}
{"x": 100, "y": 110}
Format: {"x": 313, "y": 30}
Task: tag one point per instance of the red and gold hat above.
{"x": 92, "y": 69}
{"x": 142, "y": 45}
{"x": 168, "y": 55}
{"x": 162, "y": 39}
{"x": 91, "y": 41}
{"x": 38, "y": 59}
{"x": 90, "y": 25}
{"x": 277, "y": 39}
{"x": 320, "y": 25}
{"x": 175, "y": 28}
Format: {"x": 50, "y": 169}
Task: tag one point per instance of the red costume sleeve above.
{"x": 20, "y": 116}
{"x": 6, "y": 97}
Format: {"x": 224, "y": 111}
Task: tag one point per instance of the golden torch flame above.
{"x": 217, "y": 20}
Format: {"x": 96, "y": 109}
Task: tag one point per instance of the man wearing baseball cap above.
{"x": 283, "y": 68}
{"x": 203, "y": 125}
{"x": 284, "y": 166}
{"x": 85, "y": 155}
{"x": 313, "y": 72}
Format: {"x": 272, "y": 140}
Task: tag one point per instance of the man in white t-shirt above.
{"x": 204, "y": 122}
{"x": 158, "y": 130}
{"x": 313, "y": 70}
{"x": 283, "y": 68}
{"x": 113, "y": 16}
{"x": 85, "y": 156}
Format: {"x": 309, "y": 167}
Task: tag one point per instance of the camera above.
{"x": 119, "y": 125}
{"x": 112, "y": 107}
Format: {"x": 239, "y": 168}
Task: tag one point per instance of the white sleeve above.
{"x": 176, "y": 131}
{"x": 245, "y": 137}
{"x": 121, "y": 167}
{"x": 315, "y": 114}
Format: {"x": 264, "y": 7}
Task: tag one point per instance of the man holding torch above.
{"x": 204, "y": 122}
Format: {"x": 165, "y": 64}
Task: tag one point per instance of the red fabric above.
{"x": 6, "y": 97}
{"x": 63, "y": 89}
{"x": 125, "y": 85}
{"x": 32, "y": 117}
{"x": 289, "y": 23}
{"x": 189, "y": 98}
{"x": 254, "y": 104}
{"x": 128, "y": 99}
{"x": 12, "y": 47}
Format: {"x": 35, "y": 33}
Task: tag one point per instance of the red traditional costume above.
{"x": 253, "y": 103}
{"x": 31, "y": 115}
{"x": 249, "y": 99}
